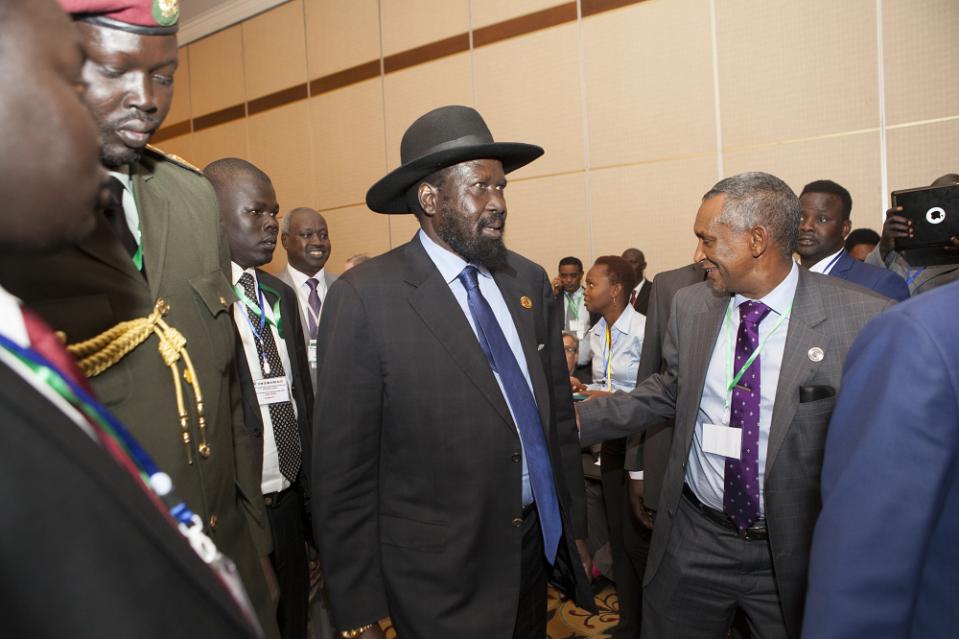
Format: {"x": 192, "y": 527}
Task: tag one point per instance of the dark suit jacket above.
{"x": 302, "y": 388}
{"x": 885, "y": 562}
{"x": 92, "y": 286}
{"x": 827, "y": 313}
{"x": 880, "y": 280}
{"x": 642, "y": 299}
{"x": 653, "y": 448}
{"x": 417, "y": 474}
{"x": 85, "y": 553}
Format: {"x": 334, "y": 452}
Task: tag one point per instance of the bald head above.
{"x": 637, "y": 260}
{"x": 306, "y": 238}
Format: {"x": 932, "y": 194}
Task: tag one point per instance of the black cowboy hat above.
{"x": 441, "y": 138}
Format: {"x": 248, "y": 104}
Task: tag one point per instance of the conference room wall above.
{"x": 640, "y": 105}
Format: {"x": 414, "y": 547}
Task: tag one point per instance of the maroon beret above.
{"x": 147, "y": 17}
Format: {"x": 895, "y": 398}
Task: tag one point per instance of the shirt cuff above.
{"x": 636, "y": 474}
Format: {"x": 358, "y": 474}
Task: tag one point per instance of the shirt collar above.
{"x": 11, "y": 319}
{"x": 237, "y": 271}
{"x": 780, "y": 298}
{"x": 299, "y": 277}
{"x": 825, "y": 264}
{"x": 622, "y": 323}
{"x": 575, "y": 294}
{"x": 449, "y": 264}
{"x": 123, "y": 177}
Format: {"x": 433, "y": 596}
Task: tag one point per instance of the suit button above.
{"x": 515, "y": 457}
{"x": 517, "y": 522}
{"x": 213, "y": 521}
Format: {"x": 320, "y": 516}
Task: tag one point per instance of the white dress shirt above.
{"x": 13, "y": 328}
{"x": 450, "y": 265}
{"x": 705, "y": 471}
{"x": 826, "y": 264}
{"x": 272, "y": 480}
{"x": 626, "y": 336}
{"x": 302, "y": 289}
{"x": 576, "y": 321}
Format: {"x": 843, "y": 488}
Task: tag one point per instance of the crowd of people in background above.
{"x": 760, "y": 443}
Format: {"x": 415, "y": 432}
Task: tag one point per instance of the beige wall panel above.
{"x": 180, "y": 108}
{"x": 353, "y": 230}
{"x": 486, "y": 12}
{"x": 649, "y": 82}
{"x": 402, "y": 228}
{"x": 223, "y": 141}
{"x": 920, "y": 154}
{"x": 348, "y": 146}
{"x": 528, "y": 90}
{"x": 181, "y": 145}
{"x": 341, "y": 34}
{"x": 412, "y": 92}
{"x": 651, "y": 207}
{"x": 216, "y": 72}
{"x": 796, "y": 69}
{"x": 547, "y": 219}
{"x": 852, "y": 161}
{"x": 412, "y": 23}
{"x": 921, "y": 43}
{"x": 274, "y": 50}
{"x": 280, "y": 146}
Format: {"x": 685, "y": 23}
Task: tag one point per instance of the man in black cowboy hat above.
{"x": 446, "y": 478}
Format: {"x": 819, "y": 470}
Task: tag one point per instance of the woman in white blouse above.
{"x": 616, "y": 340}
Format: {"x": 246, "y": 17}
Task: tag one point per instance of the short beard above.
{"x": 118, "y": 158}
{"x": 488, "y": 252}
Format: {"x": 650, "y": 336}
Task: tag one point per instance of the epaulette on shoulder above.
{"x": 176, "y": 159}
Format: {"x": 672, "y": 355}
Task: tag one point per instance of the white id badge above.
{"x": 272, "y": 390}
{"x": 722, "y": 440}
{"x": 312, "y": 353}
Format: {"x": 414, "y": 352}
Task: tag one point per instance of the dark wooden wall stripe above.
{"x": 512, "y": 28}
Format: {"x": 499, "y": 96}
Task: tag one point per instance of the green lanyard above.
{"x": 276, "y": 320}
{"x": 731, "y": 339}
{"x": 138, "y": 256}
{"x": 572, "y": 305}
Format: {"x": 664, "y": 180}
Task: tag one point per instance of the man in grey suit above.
{"x": 306, "y": 240}
{"x": 752, "y": 360}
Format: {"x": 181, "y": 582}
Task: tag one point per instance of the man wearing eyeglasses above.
{"x": 306, "y": 239}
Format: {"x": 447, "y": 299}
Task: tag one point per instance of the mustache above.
{"x": 493, "y": 220}
{"x": 149, "y": 121}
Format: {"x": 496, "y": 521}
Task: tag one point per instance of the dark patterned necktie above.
{"x": 315, "y": 304}
{"x": 741, "y": 491}
{"x": 521, "y": 400}
{"x": 281, "y": 413}
{"x": 117, "y": 218}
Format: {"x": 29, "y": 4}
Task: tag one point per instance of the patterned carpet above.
{"x": 567, "y": 621}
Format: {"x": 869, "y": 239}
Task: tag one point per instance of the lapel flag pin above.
{"x": 815, "y": 354}
{"x": 526, "y": 302}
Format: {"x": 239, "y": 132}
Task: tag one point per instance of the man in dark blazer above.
{"x": 86, "y": 551}
{"x": 639, "y": 298}
{"x": 741, "y": 486}
{"x": 422, "y": 508}
{"x": 884, "y": 557}
{"x": 176, "y": 256}
{"x": 825, "y": 223}
{"x": 279, "y": 423}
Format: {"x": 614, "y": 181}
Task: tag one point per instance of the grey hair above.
{"x": 756, "y": 198}
{"x": 573, "y": 335}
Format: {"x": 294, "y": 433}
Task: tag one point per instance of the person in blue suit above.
{"x": 885, "y": 562}
{"x": 826, "y": 207}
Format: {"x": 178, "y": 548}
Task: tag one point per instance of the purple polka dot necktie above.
{"x": 741, "y": 494}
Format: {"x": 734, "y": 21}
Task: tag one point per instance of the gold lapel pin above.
{"x": 223, "y": 301}
{"x": 526, "y": 302}
{"x": 815, "y": 354}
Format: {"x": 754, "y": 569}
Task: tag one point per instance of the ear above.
{"x": 427, "y": 195}
{"x": 759, "y": 240}
{"x": 284, "y": 238}
{"x": 846, "y": 227}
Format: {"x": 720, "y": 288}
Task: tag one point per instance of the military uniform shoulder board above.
{"x": 176, "y": 159}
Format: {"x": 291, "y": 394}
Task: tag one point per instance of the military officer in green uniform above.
{"x": 144, "y": 301}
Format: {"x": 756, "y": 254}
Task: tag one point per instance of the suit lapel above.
{"x": 155, "y": 221}
{"x": 435, "y": 304}
{"x": 808, "y": 312}
{"x": 525, "y": 321}
{"x": 706, "y": 324}
{"x": 842, "y": 266}
{"x": 102, "y": 245}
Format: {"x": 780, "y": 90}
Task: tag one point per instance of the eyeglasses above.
{"x": 571, "y": 349}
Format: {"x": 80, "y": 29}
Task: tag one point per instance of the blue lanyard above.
{"x": 913, "y": 273}
{"x": 159, "y": 482}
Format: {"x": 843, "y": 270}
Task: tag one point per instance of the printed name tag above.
{"x": 312, "y": 353}
{"x": 722, "y": 440}
{"x": 272, "y": 390}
